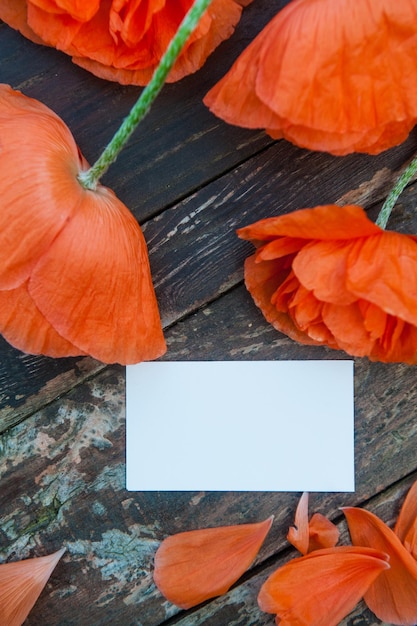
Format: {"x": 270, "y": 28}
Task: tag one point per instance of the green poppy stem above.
{"x": 395, "y": 192}
{"x": 90, "y": 178}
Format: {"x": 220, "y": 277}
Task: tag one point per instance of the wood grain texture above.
{"x": 62, "y": 477}
{"x": 191, "y": 181}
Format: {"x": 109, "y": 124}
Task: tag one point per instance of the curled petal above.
{"x": 262, "y": 281}
{"x": 298, "y": 535}
{"x": 406, "y": 526}
{"x": 21, "y": 583}
{"x": 327, "y": 222}
{"x": 392, "y": 597}
{"x": 322, "y": 533}
{"x": 315, "y": 534}
{"x": 321, "y": 588}
{"x": 194, "y": 566}
{"x": 385, "y": 274}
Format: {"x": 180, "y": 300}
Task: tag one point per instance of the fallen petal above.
{"x": 321, "y": 588}
{"x": 21, "y": 583}
{"x": 406, "y": 526}
{"x": 192, "y": 567}
{"x": 392, "y": 597}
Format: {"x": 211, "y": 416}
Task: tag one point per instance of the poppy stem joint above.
{"x": 90, "y": 177}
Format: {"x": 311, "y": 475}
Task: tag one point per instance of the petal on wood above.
{"x": 406, "y": 526}
{"x": 321, "y": 588}
{"x": 315, "y": 534}
{"x": 298, "y": 535}
{"x": 392, "y": 597}
{"x": 194, "y": 566}
{"x": 21, "y": 583}
{"x": 322, "y": 533}
{"x": 94, "y": 286}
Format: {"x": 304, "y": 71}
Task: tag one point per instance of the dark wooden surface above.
{"x": 190, "y": 180}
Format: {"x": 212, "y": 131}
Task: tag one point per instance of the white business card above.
{"x": 240, "y": 426}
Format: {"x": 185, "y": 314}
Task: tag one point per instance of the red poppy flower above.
{"x": 21, "y": 583}
{"x": 392, "y": 597}
{"x": 334, "y": 76}
{"x": 122, "y": 40}
{"x": 194, "y": 566}
{"x": 330, "y": 276}
{"x": 74, "y": 270}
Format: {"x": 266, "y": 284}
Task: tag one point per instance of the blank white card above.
{"x": 240, "y": 426}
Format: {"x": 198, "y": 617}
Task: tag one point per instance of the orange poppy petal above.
{"x": 392, "y": 597}
{"x": 326, "y": 93}
{"x": 25, "y": 328}
{"x": 247, "y": 109}
{"x": 315, "y": 534}
{"x": 194, "y": 566}
{"x": 298, "y": 534}
{"x": 322, "y": 533}
{"x": 14, "y": 13}
{"x": 21, "y": 583}
{"x": 262, "y": 280}
{"x": 77, "y": 9}
{"x": 125, "y": 41}
{"x": 327, "y": 222}
{"x": 94, "y": 286}
{"x": 321, "y": 588}
{"x": 346, "y": 324}
{"x": 29, "y": 220}
{"x": 321, "y": 267}
{"x": 406, "y": 526}
{"x": 313, "y": 95}
{"x": 385, "y": 274}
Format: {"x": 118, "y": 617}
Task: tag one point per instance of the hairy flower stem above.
{"x": 395, "y": 192}
{"x": 90, "y": 178}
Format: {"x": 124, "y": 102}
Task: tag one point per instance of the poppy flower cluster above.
{"x": 123, "y": 40}
{"x": 317, "y": 589}
{"x": 21, "y": 583}
{"x": 74, "y": 269}
{"x": 329, "y": 276}
{"x": 333, "y": 76}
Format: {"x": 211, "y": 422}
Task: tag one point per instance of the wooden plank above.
{"x": 29, "y": 382}
{"x": 239, "y": 606}
{"x": 62, "y": 476}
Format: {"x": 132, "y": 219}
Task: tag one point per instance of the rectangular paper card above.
{"x": 240, "y": 426}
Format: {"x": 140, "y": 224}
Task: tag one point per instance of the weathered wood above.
{"x": 62, "y": 482}
{"x": 191, "y": 180}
